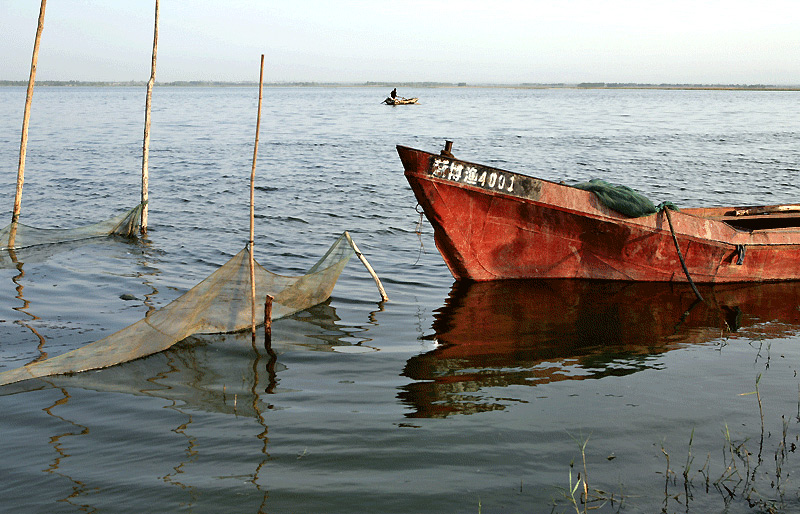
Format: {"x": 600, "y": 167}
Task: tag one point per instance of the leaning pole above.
{"x": 146, "y": 143}
{"x": 23, "y": 145}
{"x": 252, "y": 206}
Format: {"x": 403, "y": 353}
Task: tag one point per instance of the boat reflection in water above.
{"x": 502, "y": 333}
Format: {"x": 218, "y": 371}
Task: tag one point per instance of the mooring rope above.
{"x": 665, "y": 207}
{"x": 418, "y": 231}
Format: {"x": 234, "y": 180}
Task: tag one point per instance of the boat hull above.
{"x": 401, "y": 101}
{"x": 491, "y": 224}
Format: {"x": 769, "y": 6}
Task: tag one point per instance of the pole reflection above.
{"x": 17, "y": 279}
{"x": 79, "y": 488}
{"x": 206, "y": 376}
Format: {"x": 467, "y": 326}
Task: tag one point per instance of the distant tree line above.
{"x": 128, "y": 83}
{"x": 582, "y": 85}
{"x": 634, "y": 85}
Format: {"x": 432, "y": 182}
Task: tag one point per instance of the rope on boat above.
{"x": 418, "y": 231}
{"x": 665, "y": 207}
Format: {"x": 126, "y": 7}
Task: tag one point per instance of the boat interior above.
{"x": 765, "y": 217}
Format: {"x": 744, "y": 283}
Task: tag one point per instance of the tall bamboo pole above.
{"x": 252, "y": 203}
{"x": 23, "y": 145}
{"x": 146, "y": 144}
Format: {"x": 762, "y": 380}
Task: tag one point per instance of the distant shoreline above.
{"x": 582, "y": 85}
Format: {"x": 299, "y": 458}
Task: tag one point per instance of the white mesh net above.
{"x": 21, "y": 243}
{"x": 220, "y": 303}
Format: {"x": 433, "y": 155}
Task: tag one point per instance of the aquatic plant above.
{"x": 587, "y": 499}
{"x": 743, "y": 479}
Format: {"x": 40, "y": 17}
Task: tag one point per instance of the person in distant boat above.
{"x": 394, "y": 93}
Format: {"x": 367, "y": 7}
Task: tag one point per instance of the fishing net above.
{"x": 22, "y": 243}
{"x": 220, "y": 303}
{"x": 620, "y": 198}
{"x": 207, "y": 372}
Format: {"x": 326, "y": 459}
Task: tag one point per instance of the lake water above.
{"x": 447, "y": 398}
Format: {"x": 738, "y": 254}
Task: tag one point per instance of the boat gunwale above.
{"x": 446, "y": 186}
{"x": 611, "y": 214}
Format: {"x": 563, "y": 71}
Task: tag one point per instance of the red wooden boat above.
{"x": 492, "y": 224}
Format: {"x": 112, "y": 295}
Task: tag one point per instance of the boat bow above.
{"x": 492, "y": 224}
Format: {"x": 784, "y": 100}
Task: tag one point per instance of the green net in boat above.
{"x": 620, "y": 198}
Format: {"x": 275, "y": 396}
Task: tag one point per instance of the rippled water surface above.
{"x": 449, "y": 397}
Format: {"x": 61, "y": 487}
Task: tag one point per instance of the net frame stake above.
{"x": 23, "y": 144}
{"x": 371, "y": 271}
{"x": 268, "y": 319}
{"x": 273, "y": 357}
{"x": 252, "y": 205}
{"x": 146, "y": 141}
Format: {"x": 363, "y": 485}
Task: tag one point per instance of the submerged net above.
{"x": 21, "y": 243}
{"x": 220, "y": 303}
{"x": 125, "y": 225}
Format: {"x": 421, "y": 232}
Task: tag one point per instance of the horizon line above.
{"x": 429, "y": 84}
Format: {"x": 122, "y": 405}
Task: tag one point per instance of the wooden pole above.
{"x": 146, "y": 143}
{"x": 268, "y": 319}
{"x": 252, "y": 202}
{"x": 371, "y": 271}
{"x": 23, "y": 145}
{"x": 273, "y": 357}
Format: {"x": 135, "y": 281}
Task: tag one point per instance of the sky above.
{"x": 354, "y": 41}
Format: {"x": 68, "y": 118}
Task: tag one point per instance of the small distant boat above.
{"x": 400, "y": 101}
{"x": 491, "y": 224}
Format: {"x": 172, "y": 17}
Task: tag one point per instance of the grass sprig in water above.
{"x": 580, "y": 496}
{"x": 744, "y": 476}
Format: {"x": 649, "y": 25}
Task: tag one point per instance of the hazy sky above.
{"x": 487, "y": 41}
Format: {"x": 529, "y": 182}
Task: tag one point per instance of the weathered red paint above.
{"x": 532, "y": 228}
